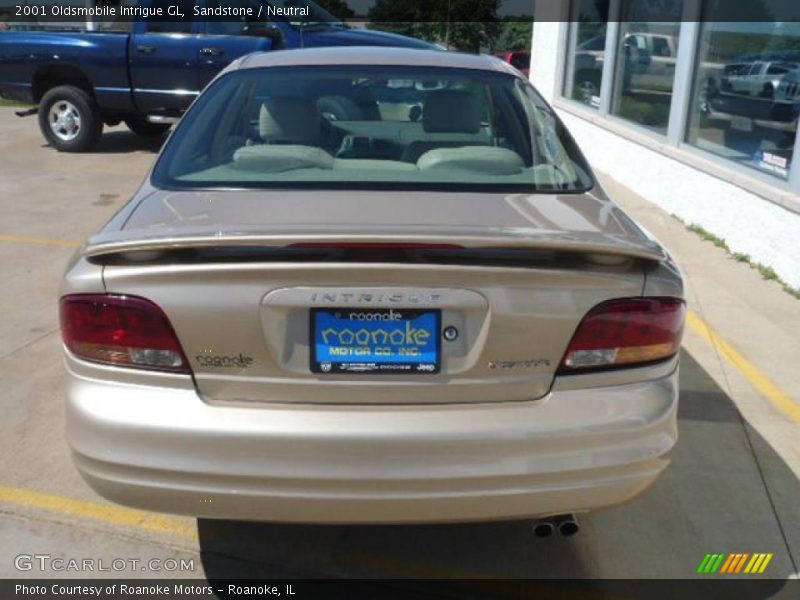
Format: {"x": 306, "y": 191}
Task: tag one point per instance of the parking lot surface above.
{"x": 733, "y": 485}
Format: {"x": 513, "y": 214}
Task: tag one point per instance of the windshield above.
{"x": 371, "y": 127}
{"x": 303, "y": 13}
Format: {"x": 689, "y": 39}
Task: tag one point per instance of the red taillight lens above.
{"x": 621, "y": 333}
{"x": 124, "y": 331}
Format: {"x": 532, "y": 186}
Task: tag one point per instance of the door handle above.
{"x": 146, "y": 49}
{"x": 210, "y": 51}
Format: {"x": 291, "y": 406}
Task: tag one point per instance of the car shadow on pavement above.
{"x": 711, "y": 499}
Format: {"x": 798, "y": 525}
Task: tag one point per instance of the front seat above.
{"x": 447, "y": 111}
{"x": 339, "y": 108}
{"x": 289, "y": 120}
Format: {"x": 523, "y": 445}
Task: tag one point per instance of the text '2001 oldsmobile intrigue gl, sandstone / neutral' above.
{"x": 371, "y": 285}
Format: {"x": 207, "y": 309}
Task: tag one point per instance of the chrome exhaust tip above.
{"x": 567, "y": 525}
{"x": 543, "y": 528}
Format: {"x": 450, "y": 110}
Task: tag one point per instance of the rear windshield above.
{"x": 362, "y": 127}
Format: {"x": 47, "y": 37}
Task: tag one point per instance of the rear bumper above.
{"x": 164, "y": 449}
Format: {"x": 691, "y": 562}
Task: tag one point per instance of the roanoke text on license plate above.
{"x": 375, "y": 340}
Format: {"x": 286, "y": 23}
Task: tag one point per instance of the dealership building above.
{"x": 692, "y": 104}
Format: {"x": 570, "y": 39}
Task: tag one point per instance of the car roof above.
{"x": 372, "y": 55}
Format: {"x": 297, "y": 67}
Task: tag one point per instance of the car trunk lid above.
{"x": 240, "y": 278}
{"x": 571, "y": 222}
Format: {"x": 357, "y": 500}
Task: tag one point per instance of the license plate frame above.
{"x": 410, "y": 320}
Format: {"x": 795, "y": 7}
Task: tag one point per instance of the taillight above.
{"x": 124, "y": 331}
{"x": 628, "y": 332}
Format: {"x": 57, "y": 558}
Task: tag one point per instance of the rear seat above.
{"x": 290, "y": 128}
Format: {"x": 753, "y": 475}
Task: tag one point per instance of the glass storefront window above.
{"x": 746, "y": 97}
{"x": 587, "y": 51}
{"x": 647, "y": 53}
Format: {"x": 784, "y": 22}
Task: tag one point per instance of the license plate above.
{"x": 375, "y": 340}
{"x": 742, "y": 124}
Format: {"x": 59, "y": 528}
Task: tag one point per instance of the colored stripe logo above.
{"x": 734, "y": 563}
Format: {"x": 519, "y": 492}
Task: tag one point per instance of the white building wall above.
{"x": 544, "y": 57}
{"x": 748, "y": 223}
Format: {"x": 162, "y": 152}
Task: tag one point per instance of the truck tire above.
{"x": 141, "y": 126}
{"x": 70, "y": 119}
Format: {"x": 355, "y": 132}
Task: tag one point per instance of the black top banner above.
{"x": 316, "y": 13}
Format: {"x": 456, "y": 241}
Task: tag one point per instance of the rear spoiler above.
{"x": 105, "y": 244}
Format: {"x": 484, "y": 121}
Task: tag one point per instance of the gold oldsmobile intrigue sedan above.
{"x": 367, "y": 285}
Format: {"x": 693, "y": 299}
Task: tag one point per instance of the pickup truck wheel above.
{"x": 70, "y": 119}
{"x": 141, "y": 126}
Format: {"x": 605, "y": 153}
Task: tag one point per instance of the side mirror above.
{"x": 269, "y": 31}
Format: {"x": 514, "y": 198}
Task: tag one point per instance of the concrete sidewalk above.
{"x": 755, "y": 316}
{"x": 736, "y": 312}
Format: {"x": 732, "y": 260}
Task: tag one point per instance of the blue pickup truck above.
{"x": 149, "y": 72}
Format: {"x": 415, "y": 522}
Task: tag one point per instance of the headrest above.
{"x": 451, "y": 111}
{"x": 289, "y": 120}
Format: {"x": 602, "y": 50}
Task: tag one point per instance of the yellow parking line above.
{"x": 23, "y": 239}
{"x": 107, "y": 513}
{"x": 779, "y": 399}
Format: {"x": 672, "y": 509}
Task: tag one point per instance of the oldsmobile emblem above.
{"x": 519, "y": 364}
